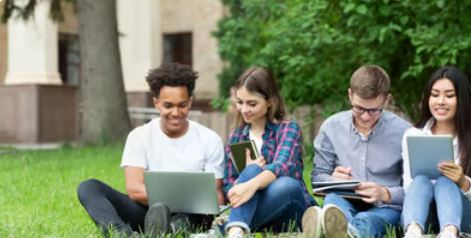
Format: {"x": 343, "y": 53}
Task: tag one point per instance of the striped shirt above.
{"x": 282, "y": 149}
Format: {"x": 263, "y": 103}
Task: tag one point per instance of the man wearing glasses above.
{"x": 364, "y": 144}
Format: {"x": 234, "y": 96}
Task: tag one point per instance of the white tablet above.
{"x": 425, "y": 152}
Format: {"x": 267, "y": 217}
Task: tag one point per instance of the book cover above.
{"x": 345, "y": 194}
{"x": 344, "y": 188}
{"x": 238, "y": 153}
{"x": 335, "y": 185}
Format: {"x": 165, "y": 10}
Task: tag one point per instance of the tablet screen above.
{"x": 425, "y": 152}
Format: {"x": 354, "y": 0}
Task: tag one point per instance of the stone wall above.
{"x": 70, "y": 23}
{"x": 199, "y": 17}
{"x": 38, "y": 114}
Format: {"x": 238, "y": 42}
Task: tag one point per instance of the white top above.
{"x": 199, "y": 149}
{"x": 426, "y": 130}
{"x": 258, "y": 142}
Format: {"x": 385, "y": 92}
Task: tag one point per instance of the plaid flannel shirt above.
{"x": 282, "y": 149}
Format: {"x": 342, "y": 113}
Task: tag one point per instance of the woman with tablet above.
{"x": 446, "y": 110}
{"x": 269, "y": 193}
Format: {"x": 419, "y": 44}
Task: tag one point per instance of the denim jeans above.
{"x": 466, "y": 221}
{"x": 275, "y": 208}
{"x": 110, "y": 208}
{"x": 421, "y": 194}
{"x": 365, "y": 222}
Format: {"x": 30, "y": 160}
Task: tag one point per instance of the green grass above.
{"x": 38, "y": 189}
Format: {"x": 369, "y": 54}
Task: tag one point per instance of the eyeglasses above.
{"x": 372, "y": 111}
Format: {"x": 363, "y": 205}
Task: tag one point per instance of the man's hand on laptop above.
{"x": 373, "y": 192}
{"x": 241, "y": 193}
{"x": 342, "y": 173}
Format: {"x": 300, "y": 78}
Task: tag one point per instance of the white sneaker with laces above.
{"x": 311, "y": 222}
{"x": 334, "y": 222}
{"x": 235, "y": 232}
{"x": 447, "y": 234}
{"x": 209, "y": 234}
{"x": 413, "y": 231}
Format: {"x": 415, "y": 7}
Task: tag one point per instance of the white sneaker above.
{"x": 334, "y": 222}
{"x": 221, "y": 219}
{"x": 311, "y": 222}
{"x": 413, "y": 231}
{"x": 447, "y": 234}
{"x": 235, "y": 232}
{"x": 209, "y": 234}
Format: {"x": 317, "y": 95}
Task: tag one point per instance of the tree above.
{"x": 313, "y": 46}
{"x": 103, "y": 105}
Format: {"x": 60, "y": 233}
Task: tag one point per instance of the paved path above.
{"x": 12, "y": 148}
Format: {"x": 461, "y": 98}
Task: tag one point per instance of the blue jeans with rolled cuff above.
{"x": 444, "y": 194}
{"x": 277, "y": 208}
{"x": 365, "y": 220}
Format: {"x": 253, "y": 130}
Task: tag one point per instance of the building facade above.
{"x": 40, "y": 62}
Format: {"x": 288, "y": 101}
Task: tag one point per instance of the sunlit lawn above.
{"x": 38, "y": 189}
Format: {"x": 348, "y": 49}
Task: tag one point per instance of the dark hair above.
{"x": 463, "y": 110}
{"x": 370, "y": 81}
{"x": 171, "y": 74}
{"x": 261, "y": 81}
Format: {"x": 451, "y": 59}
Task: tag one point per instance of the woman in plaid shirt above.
{"x": 270, "y": 192}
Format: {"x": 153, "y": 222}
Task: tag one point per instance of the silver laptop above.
{"x": 425, "y": 152}
{"x": 183, "y": 192}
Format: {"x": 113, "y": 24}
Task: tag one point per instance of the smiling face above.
{"x": 174, "y": 105}
{"x": 442, "y": 101}
{"x": 252, "y": 107}
{"x": 366, "y": 112}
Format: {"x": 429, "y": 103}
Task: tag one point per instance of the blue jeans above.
{"x": 466, "y": 221}
{"x": 365, "y": 222}
{"x": 421, "y": 194}
{"x": 275, "y": 208}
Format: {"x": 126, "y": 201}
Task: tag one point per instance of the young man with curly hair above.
{"x": 169, "y": 143}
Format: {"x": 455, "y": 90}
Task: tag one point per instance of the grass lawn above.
{"x": 38, "y": 189}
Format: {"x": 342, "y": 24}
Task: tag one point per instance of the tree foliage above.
{"x": 313, "y": 46}
{"x": 25, "y": 9}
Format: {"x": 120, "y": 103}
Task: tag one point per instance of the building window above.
{"x": 69, "y": 59}
{"x": 178, "y": 48}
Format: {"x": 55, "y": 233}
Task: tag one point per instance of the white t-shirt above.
{"x": 426, "y": 130}
{"x": 199, "y": 149}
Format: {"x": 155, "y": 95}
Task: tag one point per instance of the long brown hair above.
{"x": 261, "y": 81}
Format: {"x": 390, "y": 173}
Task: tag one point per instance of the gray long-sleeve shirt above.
{"x": 375, "y": 158}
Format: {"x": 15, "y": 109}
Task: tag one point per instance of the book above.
{"x": 344, "y": 188}
{"x": 238, "y": 153}
{"x": 338, "y": 184}
{"x": 344, "y": 194}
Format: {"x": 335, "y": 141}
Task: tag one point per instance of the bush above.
{"x": 313, "y": 46}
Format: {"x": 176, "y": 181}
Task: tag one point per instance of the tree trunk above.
{"x": 104, "y": 115}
